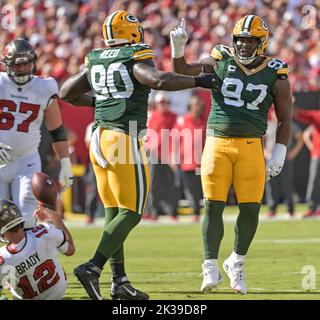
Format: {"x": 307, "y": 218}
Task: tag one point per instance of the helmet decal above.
{"x": 131, "y": 18}
{"x": 264, "y": 25}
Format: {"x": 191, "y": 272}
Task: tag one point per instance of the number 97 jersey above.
{"x": 240, "y": 109}
{"x": 120, "y": 98}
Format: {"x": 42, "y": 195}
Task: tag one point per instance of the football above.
{"x": 44, "y": 188}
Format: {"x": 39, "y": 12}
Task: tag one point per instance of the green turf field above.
{"x": 164, "y": 260}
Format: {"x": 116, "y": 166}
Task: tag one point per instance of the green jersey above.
{"x": 121, "y": 101}
{"x": 240, "y": 109}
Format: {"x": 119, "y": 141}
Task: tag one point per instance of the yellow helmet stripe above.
{"x": 247, "y": 23}
{"x": 108, "y": 25}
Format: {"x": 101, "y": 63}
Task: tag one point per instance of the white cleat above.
{"x": 235, "y": 272}
{"x": 211, "y": 277}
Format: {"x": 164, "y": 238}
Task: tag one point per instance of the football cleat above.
{"x": 88, "y": 274}
{"x": 236, "y": 274}
{"x": 125, "y": 291}
{"x": 211, "y": 277}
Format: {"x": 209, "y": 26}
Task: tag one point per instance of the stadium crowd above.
{"x": 63, "y": 32}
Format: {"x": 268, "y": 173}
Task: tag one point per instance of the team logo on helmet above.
{"x": 131, "y": 18}
{"x": 264, "y": 25}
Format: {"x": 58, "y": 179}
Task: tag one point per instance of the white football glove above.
{"x": 66, "y": 175}
{"x": 5, "y": 156}
{"x": 276, "y": 161}
{"x": 178, "y": 40}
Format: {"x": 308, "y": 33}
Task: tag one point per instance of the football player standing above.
{"x": 233, "y": 153}
{"x": 120, "y": 77}
{"x": 25, "y": 101}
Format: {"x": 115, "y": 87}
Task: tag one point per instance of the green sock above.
{"x": 246, "y": 226}
{"x": 115, "y": 233}
{"x": 212, "y": 228}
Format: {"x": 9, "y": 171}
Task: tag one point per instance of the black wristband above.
{"x": 93, "y": 101}
{"x": 58, "y": 134}
{"x": 196, "y": 81}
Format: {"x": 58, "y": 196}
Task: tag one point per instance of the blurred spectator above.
{"x": 188, "y": 145}
{"x": 64, "y": 31}
{"x": 281, "y": 187}
{"x": 163, "y": 196}
{"x": 312, "y": 117}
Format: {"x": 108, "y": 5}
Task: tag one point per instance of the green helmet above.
{"x": 10, "y": 216}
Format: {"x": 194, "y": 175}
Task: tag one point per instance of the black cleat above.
{"x": 88, "y": 274}
{"x": 125, "y": 291}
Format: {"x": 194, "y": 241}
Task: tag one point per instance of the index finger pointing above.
{"x": 183, "y": 23}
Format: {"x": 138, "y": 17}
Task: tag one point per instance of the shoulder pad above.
{"x": 280, "y": 67}
{"x": 220, "y": 51}
{"x": 142, "y": 52}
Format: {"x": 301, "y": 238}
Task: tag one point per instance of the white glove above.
{"x": 276, "y": 161}
{"x": 66, "y": 175}
{"x": 178, "y": 40}
{"x": 5, "y": 156}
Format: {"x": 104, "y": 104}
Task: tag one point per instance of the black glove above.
{"x": 208, "y": 80}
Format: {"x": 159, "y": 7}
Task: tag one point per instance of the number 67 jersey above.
{"x": 31, "y": 269}
{"x": 21, "y": 112}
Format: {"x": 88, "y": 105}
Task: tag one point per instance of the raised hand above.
{"x": 178, "y": 40}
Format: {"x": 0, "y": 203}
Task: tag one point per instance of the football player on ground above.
{"x": 233, "y": 153}
{"x": 120, "y": 77}
{"x": 28, "y": 263}
{"x": 25, "y": 100}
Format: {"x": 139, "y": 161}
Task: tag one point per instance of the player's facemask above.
{"x": 246, "y": 49}
{"x": 244, "y": 35}
{"x": 122, "y": 28}
{"x": 19, "y": 59}
{"x": 21, "y": 73}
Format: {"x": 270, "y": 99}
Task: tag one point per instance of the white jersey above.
{"x": 21, "y": 112}
{"x": 33, "y": 271}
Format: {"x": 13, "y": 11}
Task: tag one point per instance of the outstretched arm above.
{"x": 146, "y": 73}
{"x": 74, "y": 90}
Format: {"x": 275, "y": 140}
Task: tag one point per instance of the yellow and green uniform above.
{"x": 120, "y": 115}
{"x": 233, "y": 153}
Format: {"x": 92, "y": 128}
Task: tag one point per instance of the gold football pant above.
{"x": 233, "y": 161}
{"x": 125, "y": 182}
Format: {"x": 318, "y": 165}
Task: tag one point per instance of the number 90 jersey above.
{"x": 21, "y": 112}
{"x": 120, "y": 98}
{"x": 240, "y": 109}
